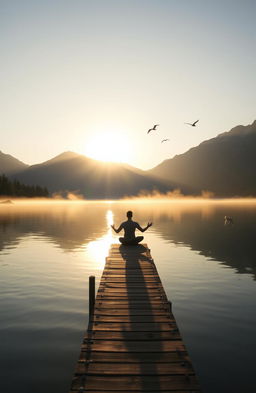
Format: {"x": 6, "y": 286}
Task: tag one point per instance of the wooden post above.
{"x": 91, "y": 295}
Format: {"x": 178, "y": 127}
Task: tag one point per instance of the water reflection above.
{"x": 98, "y": 249}
{"x": 232, "y": 245}
{"x": 69, "y": 226}
{"x": 47, "y": 252}
{"x": 200, "y": 226}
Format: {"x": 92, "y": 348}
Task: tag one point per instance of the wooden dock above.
{"x": 132, "y": 343}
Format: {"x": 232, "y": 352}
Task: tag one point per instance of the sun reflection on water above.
{"x": 98, "y": 249}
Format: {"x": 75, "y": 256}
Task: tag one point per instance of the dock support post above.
{"x": 91, "y": 295}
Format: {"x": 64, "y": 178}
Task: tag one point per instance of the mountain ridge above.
{"x": 10, "y": 164}
{"x": 92, "y": 179}
{"x": 224, "y": 165}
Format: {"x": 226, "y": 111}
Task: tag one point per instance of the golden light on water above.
{"x": 109, "y": 145}
{"x": 98, "y": 249}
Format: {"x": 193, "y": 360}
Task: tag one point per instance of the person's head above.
{"x": 129, "y": 214}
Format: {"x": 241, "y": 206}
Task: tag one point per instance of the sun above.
{"x": 111, "y": 146}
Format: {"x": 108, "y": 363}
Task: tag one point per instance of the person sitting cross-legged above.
{"x": 129, "y": 228}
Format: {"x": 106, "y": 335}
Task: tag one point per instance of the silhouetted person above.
{"x": 129, "y": 228}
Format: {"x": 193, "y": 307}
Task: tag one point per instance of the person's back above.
{"x": 129, "y": 228}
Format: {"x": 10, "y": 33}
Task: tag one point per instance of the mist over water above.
{"x": 208, "y": 269}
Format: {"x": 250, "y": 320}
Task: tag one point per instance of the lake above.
{"x": 208, "y": 269}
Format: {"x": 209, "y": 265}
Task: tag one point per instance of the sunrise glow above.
{"x": 111, "y": 146}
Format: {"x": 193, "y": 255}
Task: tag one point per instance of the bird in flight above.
{"x": 165, "y": 140}
{"x": 193, "y": 124}
{"x": 153, "y": 128}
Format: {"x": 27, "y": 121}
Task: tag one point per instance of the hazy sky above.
{"x": 74, "y": 73}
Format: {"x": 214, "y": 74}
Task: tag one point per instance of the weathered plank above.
{"x": 130, "y": 312}
{"x": 81, "y": 390}
{"x": 132, "y": 318}
{"x": 132, "y": 297}
{"x": 142, "y": 284}
{"x": 133, "y": 326}
{"x": 136, "y": 383}
{"x": 119, "y": 304}
{"x": 128, "y": 280}
{"x": 133, "y": 287}
{"x": 132, "y": 335}
{"x": 135, "y": 368}
{"x": 129, "y": 357}
{"x": 135, "y": 346}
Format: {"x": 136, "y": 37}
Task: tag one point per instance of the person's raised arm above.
{"x": 118, "y": 229}
{"x": 144, "y": 229}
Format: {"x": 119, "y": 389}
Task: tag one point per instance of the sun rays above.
{"x": 109, "y": 145}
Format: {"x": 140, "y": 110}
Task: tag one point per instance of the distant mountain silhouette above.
{"x": 10, "y": 165}
{"x": 90, "y": 178}
{"x": 225, "y": 165}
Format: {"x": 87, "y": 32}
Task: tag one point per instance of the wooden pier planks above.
{"x": 132, "y": 343}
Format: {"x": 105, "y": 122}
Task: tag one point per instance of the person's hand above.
{"x": 112, "y": 226}
{"x": 150, "y": 224}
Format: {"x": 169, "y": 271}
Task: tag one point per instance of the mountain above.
{"x": 224, "y": 165}
{"x": 10, "y": 165}
{"x": 90, "y": 178}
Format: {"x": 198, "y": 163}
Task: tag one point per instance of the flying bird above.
{"x": 193, "y": 124}
{"x": 165, "y": 140}
{"x": 153, "y": 128}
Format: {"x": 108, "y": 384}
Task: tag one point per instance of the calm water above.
{"x": 47, "y": 252}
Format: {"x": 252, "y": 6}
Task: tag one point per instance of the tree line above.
{"x": 16, "y": 189}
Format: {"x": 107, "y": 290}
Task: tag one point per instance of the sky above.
{"x": 93, "y": 76}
